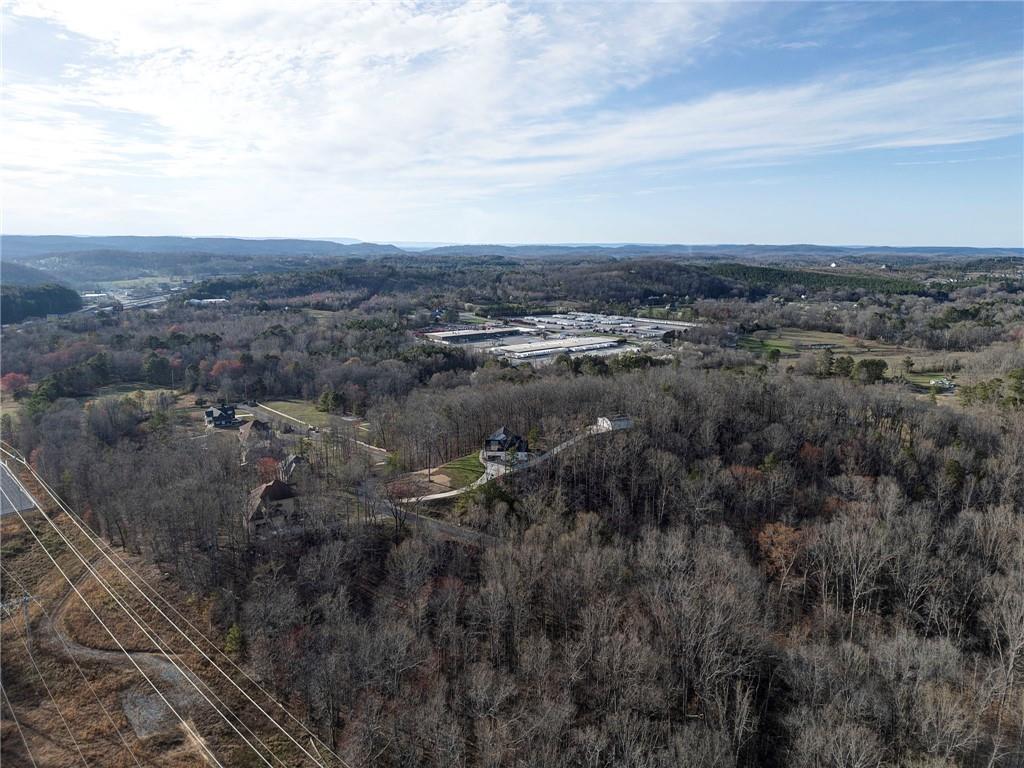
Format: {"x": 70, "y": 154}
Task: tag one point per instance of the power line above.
{"x": 20, "y": 732}
{"x": 161, "y": 644}
{"x": 56, "y": 706}
{"x": 109, "y": 548}
{"x": 78, "y": 667}
{"x": 108, "y": 630}
{"x": 95, "y": 541}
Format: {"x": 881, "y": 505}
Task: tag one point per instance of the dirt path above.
{"x": 148, "y": 714}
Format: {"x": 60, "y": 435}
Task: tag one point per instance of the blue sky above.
{"x": 873, "y": 123}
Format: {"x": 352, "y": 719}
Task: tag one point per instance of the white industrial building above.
{"x": 473, "y": 335}
{"x": 643, "y": 327}
{"x": 570, "y": 345}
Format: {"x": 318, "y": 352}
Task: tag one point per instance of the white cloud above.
{"x": 350, "y": 106}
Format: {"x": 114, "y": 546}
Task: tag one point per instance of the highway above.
{"x": 13, "y": 496}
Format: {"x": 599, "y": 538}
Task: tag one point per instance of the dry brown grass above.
{"x": 110, "y": 676}
{"x": 80, "y": 703}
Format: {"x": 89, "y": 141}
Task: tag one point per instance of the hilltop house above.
{"x": 271, "y": 505}
{"x": 502, "y": 444}
{"x": 221, "y": 416}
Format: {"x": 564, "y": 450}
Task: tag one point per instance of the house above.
{"x": 271, "y": 505}
{"x": 254, "y": 431}
{"x": 221, "y": 416}
{"x": 611, "y": 423}
{"x": 502, "y": 443}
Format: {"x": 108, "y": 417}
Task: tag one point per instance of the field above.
{"x": 302, "y": 410}
{"x": 795, "y": 342}
{"x": 127, "y": 388}
{"x": 321, "y": 314}
{"x": 11, "y": 406}
{"x": 924, "y": 378}
{"x": 139, "y": 282}
{"x": 464, "y": 471}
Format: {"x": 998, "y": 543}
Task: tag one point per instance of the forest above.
{"x": 782, "y": 563}
{"x": 18, "y": 302}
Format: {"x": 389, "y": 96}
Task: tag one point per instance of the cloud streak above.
{"x": 403, "y": 102}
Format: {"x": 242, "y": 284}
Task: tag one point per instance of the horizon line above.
{"x": 427, "y": 244}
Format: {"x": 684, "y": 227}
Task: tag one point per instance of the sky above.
{"x": 488, "y": 122}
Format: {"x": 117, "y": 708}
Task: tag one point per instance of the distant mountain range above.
{"x": 88, "y": 261}
{"x": 12, "y": 273}
{"x": 724, "y": 251}
{"x": 31, "y": 247}
{"x": 28, "y": 248}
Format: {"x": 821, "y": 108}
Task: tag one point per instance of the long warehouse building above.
{"x": 472, "y": 335}
{"x": 556, "y": 346}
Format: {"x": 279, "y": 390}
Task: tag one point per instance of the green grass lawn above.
{"x": 463, "y": 471}
{"x": 127, "y": 388}
{"x": 303, "y": 410}
{"x": 794, "y": 341}
{"x": 921, "y": 378}
{"x": 131, "y": 387}
{"x": 762, "y": 346}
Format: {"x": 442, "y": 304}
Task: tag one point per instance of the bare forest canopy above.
{"x": 794, "y": 557}
{"x": 500, "y": 286}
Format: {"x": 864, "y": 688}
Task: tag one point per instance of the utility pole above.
{"x": 8, "y": 607}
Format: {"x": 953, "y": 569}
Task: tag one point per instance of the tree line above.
{"x": 20, "y": 302}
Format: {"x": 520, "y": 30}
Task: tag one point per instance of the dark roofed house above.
{"x": 221, "y": 416}
{"x": 498, "y": 446}
{"x": 271, "y": 504}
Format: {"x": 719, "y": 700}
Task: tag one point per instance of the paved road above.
{"x": 13, "y": 496}
{"x": 493, "y": 469}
